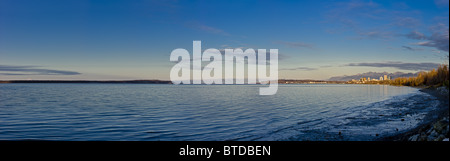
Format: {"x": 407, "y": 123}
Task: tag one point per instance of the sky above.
{"x": 128, "y": 40}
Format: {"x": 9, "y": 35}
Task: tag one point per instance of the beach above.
{"x": 435, "y": 125}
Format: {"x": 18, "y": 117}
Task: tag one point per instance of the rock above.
{"x": 446, "y": 134}
{"x": 429, "y": 131}
{"x": 422, "y": 138}
{"x": 440, "y": 138}
{"x": 445, "y": 131}
{"x": 440, "y": 125}
{"x": 446, "y": 139}
{"x": 432, "y": 136}
{"x": 414, "y": 137}
{"x": 443, "y": 90}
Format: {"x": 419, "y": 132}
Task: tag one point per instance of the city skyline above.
{"x": 122, "y": 40}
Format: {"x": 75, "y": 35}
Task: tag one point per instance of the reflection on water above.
{"x": 218, "y": 112}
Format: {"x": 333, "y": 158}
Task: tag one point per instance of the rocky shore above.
{"x": 437, "y": 126}
{"x": 438, "y": 131}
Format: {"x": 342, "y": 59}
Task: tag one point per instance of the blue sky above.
{"x": 116, "y": 40}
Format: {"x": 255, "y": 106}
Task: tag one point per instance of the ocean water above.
{"x": 147, "y": 112}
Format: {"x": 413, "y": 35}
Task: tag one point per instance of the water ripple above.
{"x": 169, "y": 112}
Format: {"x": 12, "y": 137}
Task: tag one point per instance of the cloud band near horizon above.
{"x": 32, "y": 70}
{"x": 399, "y": 65}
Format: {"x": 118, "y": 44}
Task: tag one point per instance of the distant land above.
{"x": 289, "y": 81}
{"x": 332, "y": 80}
{"x": 89, "y": 81}
{"x": 373, "y": 75}
{"x": 282, "y": 81}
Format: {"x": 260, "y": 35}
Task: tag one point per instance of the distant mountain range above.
{"x": 372, "y": 75}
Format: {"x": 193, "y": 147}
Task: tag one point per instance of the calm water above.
{"x": 221, "y": 112}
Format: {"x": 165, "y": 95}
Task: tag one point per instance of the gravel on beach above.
{"x": 437, "y": 128}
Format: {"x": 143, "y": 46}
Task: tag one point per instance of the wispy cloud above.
{"x": 281, "y": 56}
{"x": 212, "y": 30}
{"x": 206, "y": 28}
{"x": 416, "y": 35}
{"x": 295, "y": 44}
{"x": 300, "y": 68}
{"x": 439, "y": 39}
{"x": 349, "y": 14}
{"x": 32, "y": 70}
{"x": 407, "y": 22}
{"x": 412, "y": 49}
{"x": 375, "y": 35}
{"x": 371, "y": 20}
{"x": 441, "y": 3}
{"x": 398, "y": 65}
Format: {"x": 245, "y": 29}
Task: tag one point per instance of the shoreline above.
{"x": 435, "y": 124}
{"x": 88, "y": 81}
